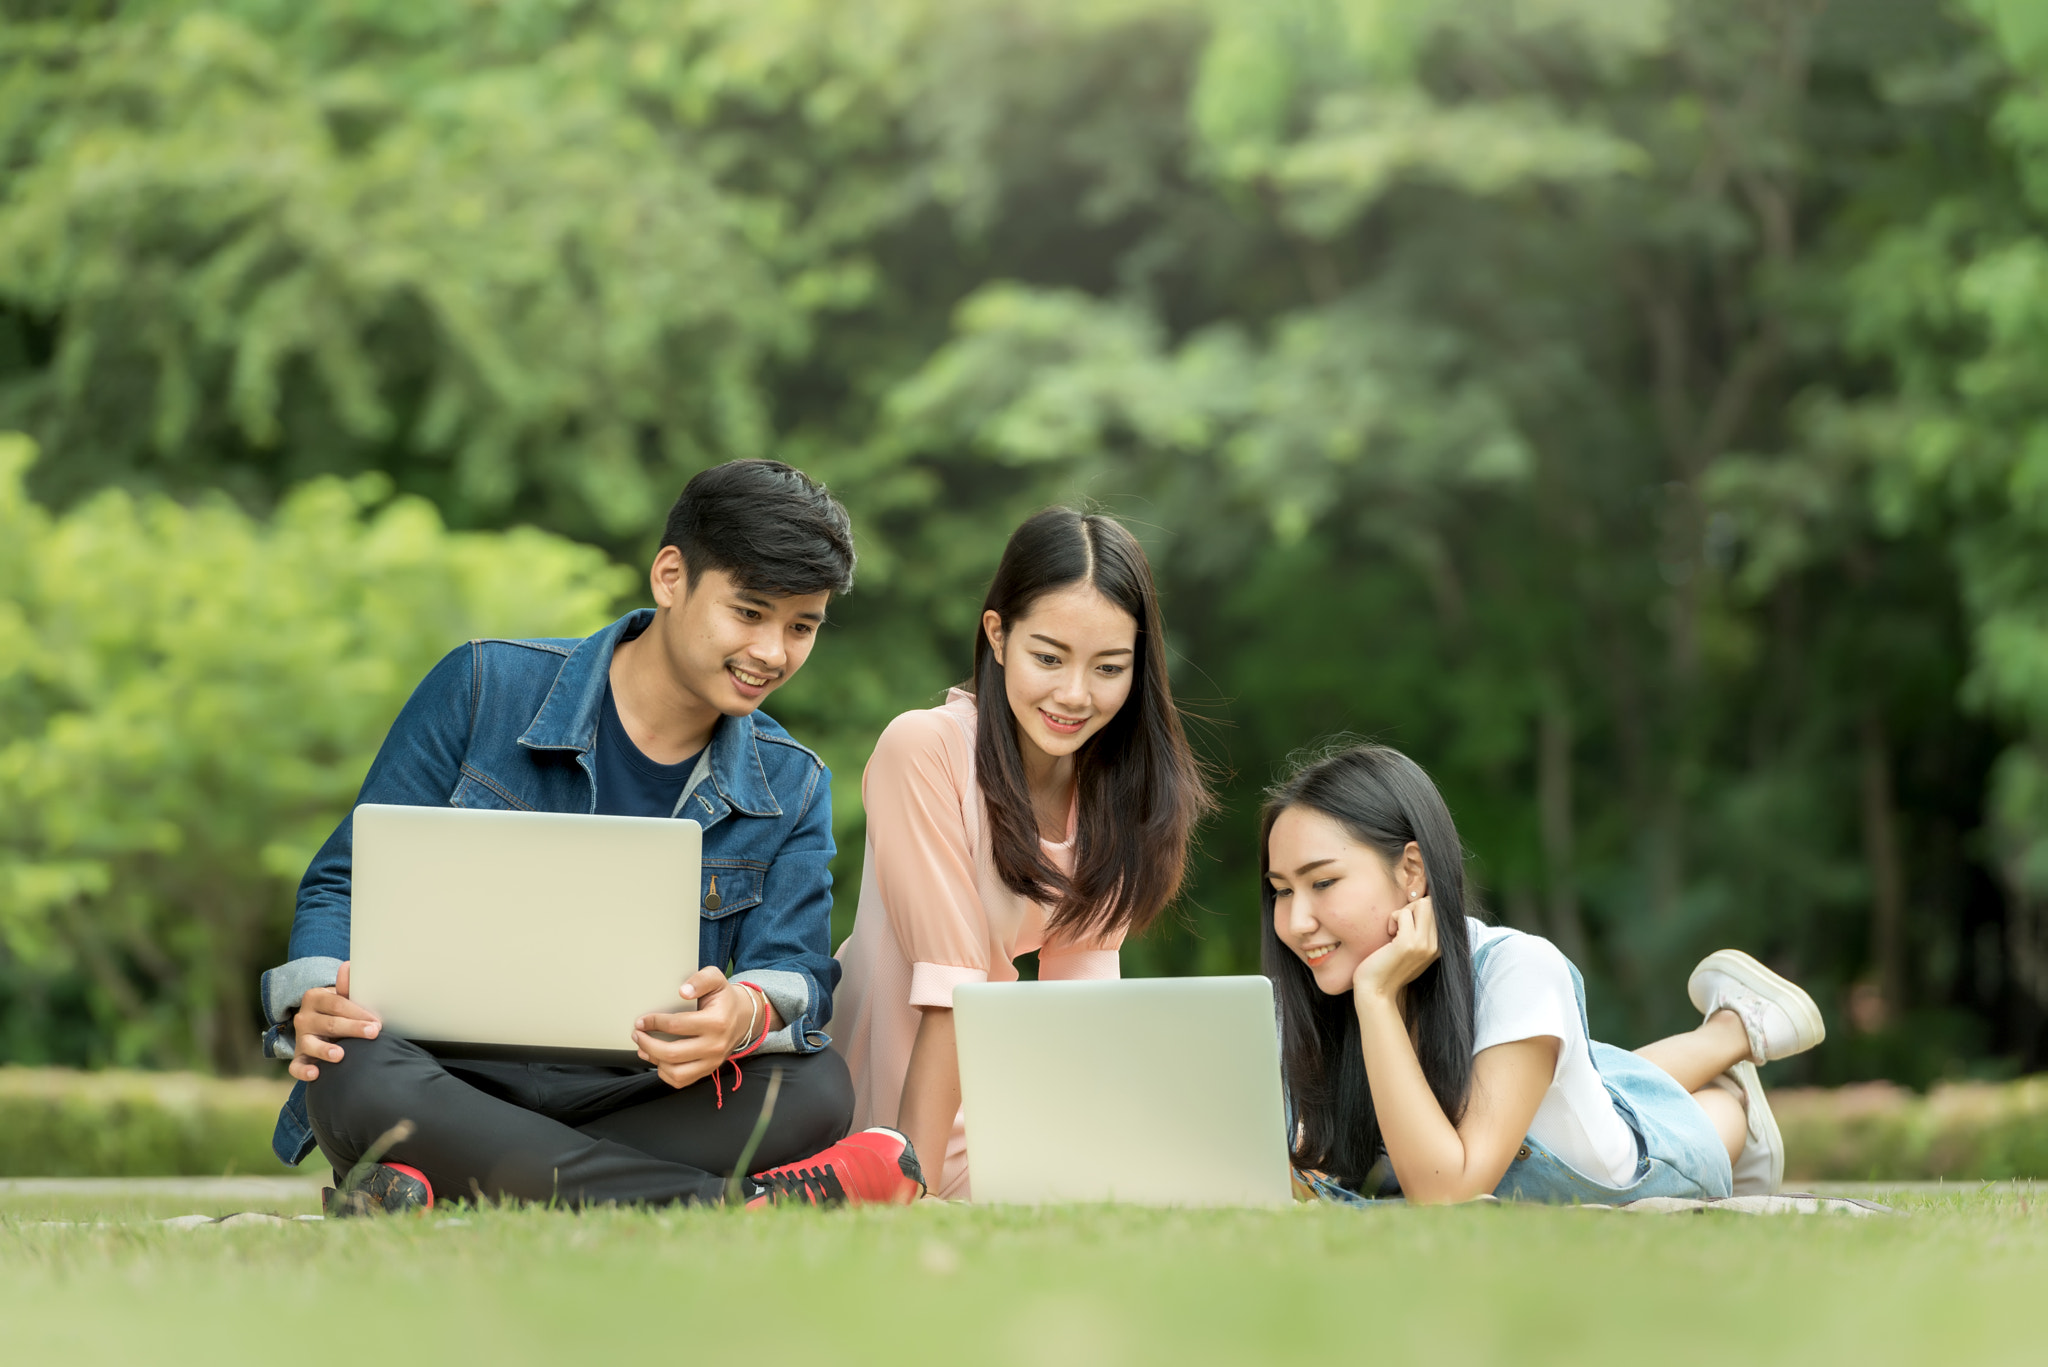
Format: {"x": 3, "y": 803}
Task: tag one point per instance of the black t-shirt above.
{"x": 629, "y": 783}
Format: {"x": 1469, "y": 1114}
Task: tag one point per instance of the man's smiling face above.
{"x": 729, "y": 645}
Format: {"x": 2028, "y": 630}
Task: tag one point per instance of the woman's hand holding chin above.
{"x": 1386, "y": 972}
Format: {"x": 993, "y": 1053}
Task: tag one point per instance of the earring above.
{"x": 1413, "y": 895}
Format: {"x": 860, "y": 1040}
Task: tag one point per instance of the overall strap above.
{"x": 1485, "y": 951}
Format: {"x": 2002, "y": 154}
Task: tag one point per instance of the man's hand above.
{"x": 706, "y": 1036}
{"x": 326, "y": 1015}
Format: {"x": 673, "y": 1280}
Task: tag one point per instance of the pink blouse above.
{"x": 933, "y": 914}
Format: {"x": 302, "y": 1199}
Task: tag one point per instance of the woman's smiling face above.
{"x": 1067, "y": 666}
{"x": 1334, "y": 898}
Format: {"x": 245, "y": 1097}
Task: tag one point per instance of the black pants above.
{"x": 572, "y": 1134}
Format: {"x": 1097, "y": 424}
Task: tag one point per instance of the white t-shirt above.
{"x": 1524, "y": 991}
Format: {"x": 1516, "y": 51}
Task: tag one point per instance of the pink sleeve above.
{"x": 1092, "y": 959}
{"x": 923, "y": 869}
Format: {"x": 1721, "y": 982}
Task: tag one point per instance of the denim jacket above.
{"x": 511, "y": 725}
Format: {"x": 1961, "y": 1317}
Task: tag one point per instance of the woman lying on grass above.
{"x": 1429, "y": 1055}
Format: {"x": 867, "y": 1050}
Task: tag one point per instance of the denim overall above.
{"x": 1678, "y": 1152}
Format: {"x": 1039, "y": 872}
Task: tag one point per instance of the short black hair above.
{"x": 770, "y": 526}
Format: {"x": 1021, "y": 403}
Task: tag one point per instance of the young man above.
{"x": 656, "y": 715}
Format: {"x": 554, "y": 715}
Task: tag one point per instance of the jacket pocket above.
{"x": 476, "y": 790}
{"x": 730, "y": 885}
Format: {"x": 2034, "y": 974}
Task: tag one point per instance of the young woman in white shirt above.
{"x": 1432, "y": 1056}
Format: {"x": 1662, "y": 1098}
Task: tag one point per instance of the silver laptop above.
{"x": 1155, "y": 1091}
{"x": 530, "y": 930}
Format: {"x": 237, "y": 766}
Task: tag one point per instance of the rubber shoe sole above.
{"x": 1781, "y": 992}
{"x": 1760, "y": 1168}
{"x": 386, "y": 1189}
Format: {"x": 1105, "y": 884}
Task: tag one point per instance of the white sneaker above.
{"x": 1780, "y": 1018}
{"x": 1760, "y": 1167}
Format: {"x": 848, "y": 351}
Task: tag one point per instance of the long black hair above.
{"x": 1384, "y": 800}
{"x": 1139, "y": 786}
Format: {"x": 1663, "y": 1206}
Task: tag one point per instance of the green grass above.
{"x": 1956, "y": 1280}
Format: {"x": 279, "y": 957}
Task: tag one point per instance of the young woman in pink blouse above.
{"x": 1048, "y": 807}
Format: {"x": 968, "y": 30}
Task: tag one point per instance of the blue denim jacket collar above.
{"x": 568, "y": 720}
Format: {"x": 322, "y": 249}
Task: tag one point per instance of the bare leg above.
{"x": 1730, "y": 1117}
{"x": 1697, "y": 1057}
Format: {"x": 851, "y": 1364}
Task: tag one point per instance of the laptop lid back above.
{"x": 521, "y": 929}
{"x": 1155, "y": 1091}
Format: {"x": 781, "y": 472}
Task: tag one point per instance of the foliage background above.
{"x": 1632, "y": 408}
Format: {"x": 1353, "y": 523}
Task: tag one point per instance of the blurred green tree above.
{"x": 1619, "y": 404}
{"x": 1455, "y": 455}
{"x": 188, "y": 699}
{"x": 507, "y": 253}
{"x": 1948, "y": 445}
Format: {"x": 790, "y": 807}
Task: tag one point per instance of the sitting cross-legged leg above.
{"x": 709, "y": 1127}
{"x": 803, "y": 1153}
{"x": 573, "y": 1134}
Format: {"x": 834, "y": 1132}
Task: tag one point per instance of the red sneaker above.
{"x": 874, "y": 1167}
